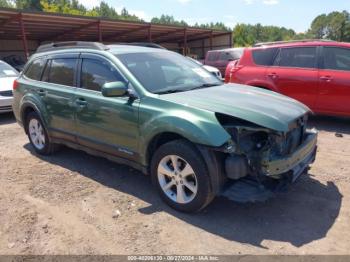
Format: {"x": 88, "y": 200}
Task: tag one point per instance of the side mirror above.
{"x": 114, "y": 89}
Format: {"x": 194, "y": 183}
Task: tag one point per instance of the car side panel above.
{"x": 253, "y": 76}
{"x": 108, "y": 124}
{"x": 334, "y": 85}
{"x": 334, "y": 92}
{"x": 198, "y": 126}
{"x": 298, "y": 83}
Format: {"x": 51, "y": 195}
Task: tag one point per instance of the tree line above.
{"x": 333, "y": 26}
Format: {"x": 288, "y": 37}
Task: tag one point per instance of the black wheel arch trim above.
{"x": 31, "y": 105}
{"x": 215, "y": 168}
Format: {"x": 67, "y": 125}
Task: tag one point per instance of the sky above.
{"x": 297, "y": 14}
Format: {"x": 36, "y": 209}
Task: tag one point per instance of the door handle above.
{"x": 81, "y": 102}
{"x": 326, "y": 78}
{"x": 273, "y": 75}
{"x": 41, "y": 92}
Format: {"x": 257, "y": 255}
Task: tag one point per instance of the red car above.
{"x": 317, "y": 73}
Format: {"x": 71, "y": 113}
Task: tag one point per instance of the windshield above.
{"x": 7, "y": 70}
{"x": 195, "y": 61}
{"x": 166, "y": 72}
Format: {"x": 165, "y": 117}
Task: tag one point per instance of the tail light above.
{"x": 15, "y": 84}
{"x": 232, "y": 68}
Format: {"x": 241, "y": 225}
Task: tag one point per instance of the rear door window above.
{"x": 95, "y": 73}
{"x": 35, "y": 69}
{"x": 336, "y": 58}
{"x": 264, "y": 57}
{"x": 62, "y": 71}
{"x": 300, "y": 57}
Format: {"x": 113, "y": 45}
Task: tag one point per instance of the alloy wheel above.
{"x": 36, "y": 133}
{"x": 177, "y": 179}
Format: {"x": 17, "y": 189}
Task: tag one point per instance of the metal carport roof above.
{"x": 44, "y": 26}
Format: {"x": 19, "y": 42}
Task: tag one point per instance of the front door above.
{"x": 334, "y": 77}
{"x": 295, "y": 74}
{"x": 107, "y": 124}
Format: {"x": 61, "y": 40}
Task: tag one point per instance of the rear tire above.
{"x": 181, "y": 176}
{"x": 38, "y": 135}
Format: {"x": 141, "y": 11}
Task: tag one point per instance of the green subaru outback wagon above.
{"x": 163, "y": 114}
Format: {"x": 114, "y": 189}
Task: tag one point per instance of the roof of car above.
{"x": 301, "y": 43}
{"x": 125, "y": 49}
{"x": 63, "y": 47}
{"x": 227, "y": 49}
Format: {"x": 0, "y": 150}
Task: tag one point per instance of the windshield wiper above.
{"x": 172, "y": 90}
{"x": 168, "y": 91}
{"x": 205, "y": 85}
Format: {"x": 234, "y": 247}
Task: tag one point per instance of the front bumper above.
{"x": 298, "y": 161}
{"x": 280, "y": 173}
{"x": 5, "y": 104}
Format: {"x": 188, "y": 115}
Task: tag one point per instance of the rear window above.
{"x": 7, "y": 70}
{"x": 264, "y": 57}
{"x": 212, "y": 56}
{"x": 236, "y": 53}
{"x": 230, "y": 55}
{"x": 35, "y": 69}
{"x": 62, "y": 71}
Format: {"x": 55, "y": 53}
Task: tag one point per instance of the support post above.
{"x": 203, "y": 50}
{"x": 24, "y": 38}
{"x": 211, "y": 40}
{"x": 150, "y": 33}
{"x": 99, "y": 30}
{"x": 231, "y": 39}
{"x": 185, "y": 41}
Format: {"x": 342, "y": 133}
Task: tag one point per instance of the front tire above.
{"x": 38, "y": 136}
{"x": 181, "y": 177}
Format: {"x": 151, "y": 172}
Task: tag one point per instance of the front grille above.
{"x": 6, "y": 93}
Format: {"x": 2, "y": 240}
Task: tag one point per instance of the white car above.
{"x": 210, "y": 69}
{"x": 7, "y": 75}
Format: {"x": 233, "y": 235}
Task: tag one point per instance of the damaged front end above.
{"x": 260, "y": 161}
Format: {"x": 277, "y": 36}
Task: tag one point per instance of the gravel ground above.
{"x": 73, "y": 203}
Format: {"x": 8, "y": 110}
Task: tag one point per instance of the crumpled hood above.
{"x": 6, "y": 83}
{"x": 262, "y": 107}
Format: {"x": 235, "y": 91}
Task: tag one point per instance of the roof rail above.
{"x": 71, "y": 44}
{"x": 291, "y": 41}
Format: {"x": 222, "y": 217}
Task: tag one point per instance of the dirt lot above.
{"x": 73, "y": 203}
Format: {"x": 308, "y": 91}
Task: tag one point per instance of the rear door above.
{"x": 107, "y": 124}
{"x": 57, "y": 89}
{"x": 295, "y": 73}
{"x": 334, "y": 95}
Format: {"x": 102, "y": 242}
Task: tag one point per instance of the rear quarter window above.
{"x": 336, "y": 58}
{"x": 264, "y": 57}
{"x": 35, "y": 69}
